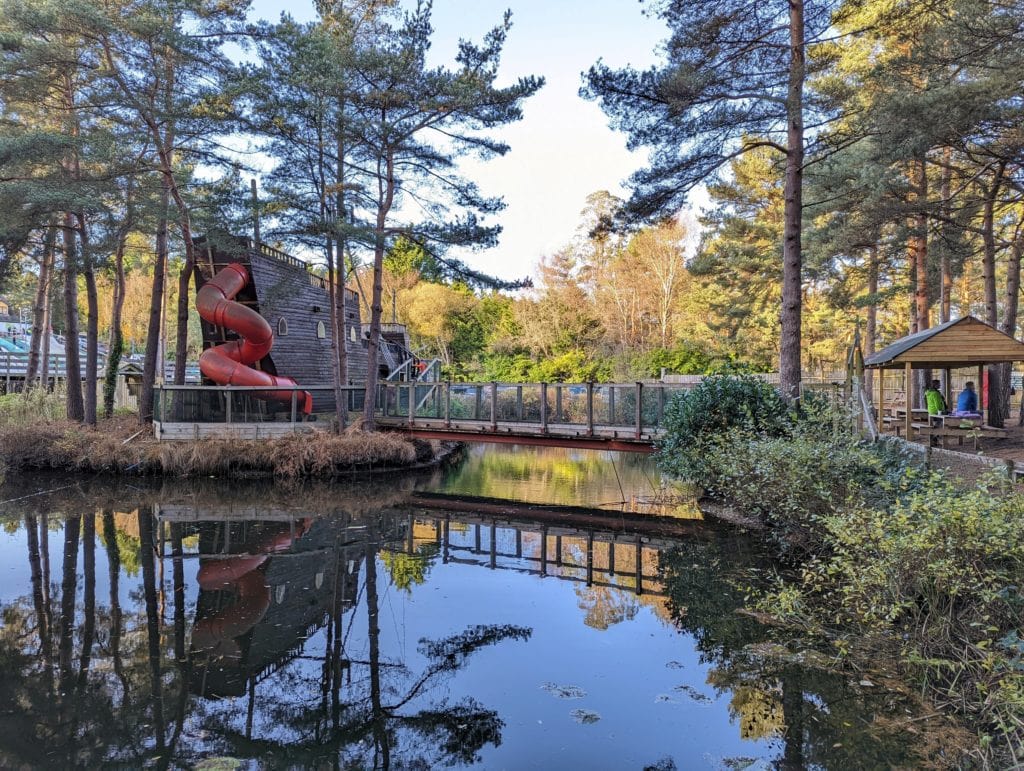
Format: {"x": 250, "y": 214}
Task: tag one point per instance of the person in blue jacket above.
{"x": 968, "y": 399}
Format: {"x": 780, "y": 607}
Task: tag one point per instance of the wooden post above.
{"x": 227, "y": 394}
{"x": 412, "y": 402}
{"x": 661, "y": 404}
{"x": 448, "y": 404}
{"x": 494, "y": 545}
{"x": 519, "y": 403}
{"x": 543, "y": 408}
{"x": 980, "y": 385}
{"x": 590, "y": 409}
{"x": 881, "y": 400}
{"x": 949, "y": 388}
{"x": 544, "y": 550}
{"x": 479, "y": 402}
{"x": 611, "y": 405}
{"x": 639, "y": 420}
{"x": 494, "y": 407}
{"x": 611, "y": 556}
{"x": 295, "y": 396}
{"x": 639, "y": 566}
{"x": 908, "y": 369}
{"x": 590, "y": 557}
{"x": 558, "y": 404}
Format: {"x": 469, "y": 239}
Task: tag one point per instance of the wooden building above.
{"x": 294, "y": 301}
{"x": 965, "y": 343}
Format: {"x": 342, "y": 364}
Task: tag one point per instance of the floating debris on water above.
{"x": 564, "y": 691}
{"x": 674, "y": 665}
{"x": 693, "y": 693}
{"x": 585, "y": 716}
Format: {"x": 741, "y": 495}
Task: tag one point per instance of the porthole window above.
{"x": 321, "y": 330}
{"x": 282, "y": 327}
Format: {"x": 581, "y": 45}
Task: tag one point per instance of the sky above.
{"x": 563, "y": 149}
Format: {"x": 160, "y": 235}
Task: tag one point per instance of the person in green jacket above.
{"x": 934, "y": 400}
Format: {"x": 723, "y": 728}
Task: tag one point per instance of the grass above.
{"x": 33, "y": 436}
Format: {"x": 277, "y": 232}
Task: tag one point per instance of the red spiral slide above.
{"x": 229, "y": 363}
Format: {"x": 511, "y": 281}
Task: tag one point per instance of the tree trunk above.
{"x": 338, "y": 311}
{"x": 116, "y": 344}
{"x": 945, "y": 269}
{"x": 789, "y": 344}
{"x": 156, "y": 301}
{"x": 44, "y": 367}
{"x": 999, "y": 401}
{"x": 387, "y": 188}
{"x": 39, "y": 307}
{"x": 373, "y": 345}
{"x": 91, "y": 326}
{"x": 998, "y": 407}
{"x": 917, "y": 245}
{"x": 181, "y": 338}
{"x": 871, "y": 325}
{"x": 73, "y": 371}
{"x": 337, "y": 340}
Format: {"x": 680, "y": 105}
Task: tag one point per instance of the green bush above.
{"x": 934, "y": 581}
{"x": 718, "y": 404}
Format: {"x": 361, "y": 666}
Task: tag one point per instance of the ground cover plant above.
{"x": 885, "y": 564}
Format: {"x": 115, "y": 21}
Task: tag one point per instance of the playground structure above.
{"x": 230, "y": 362}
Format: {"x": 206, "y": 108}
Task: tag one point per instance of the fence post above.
{"x": 494, "y": 406}
{"x": 227, "y": 395}
{"x": 8, "y": 373}
{"x": 558, "y": 404}
{"x": 519, "y": 403}
{"x": 543, "y": 408}
{"x": 448, "y": 404}
{"x": 661, "y": 404}
{"x": 412, "y": 401}
{"x": 590, "y": 409}
{"x": 479, "y": 402}
{"x": 295, "y": 398}
{"x": 639, "y": 409}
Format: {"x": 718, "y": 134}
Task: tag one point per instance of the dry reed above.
{"x": 68, "y": 446}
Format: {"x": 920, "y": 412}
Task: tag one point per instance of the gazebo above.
{"x": 965, "y": 342}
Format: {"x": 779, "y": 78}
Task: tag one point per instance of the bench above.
{"x": 944, "y": 432}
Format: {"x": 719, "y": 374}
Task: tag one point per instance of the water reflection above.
{"x": 369, "y": 626}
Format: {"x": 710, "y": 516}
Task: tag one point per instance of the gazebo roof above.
{"x": 964, "y": 342}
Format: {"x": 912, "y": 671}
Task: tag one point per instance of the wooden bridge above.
{"x": 611, "y": 416}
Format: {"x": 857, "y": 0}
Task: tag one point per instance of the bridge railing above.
{"x": 246, "y": 404}
{"x": 589, "y": 406}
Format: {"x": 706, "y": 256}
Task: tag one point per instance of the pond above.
{"x": 407, "y": 623}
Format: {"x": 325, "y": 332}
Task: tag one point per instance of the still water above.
{"x": 402, "y": 624}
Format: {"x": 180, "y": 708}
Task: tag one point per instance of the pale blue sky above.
{"x": 562, "y": 150}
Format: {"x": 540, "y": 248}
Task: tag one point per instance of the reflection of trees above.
{"x": 822, "y": 723}
{"x": 374, "y": 713}
{"x": 72, "y": 712}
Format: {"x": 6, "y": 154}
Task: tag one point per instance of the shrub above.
{"x": 717, "y": 405}
{"x": 933, "y": 581}
{"x": 32, "y": 406}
